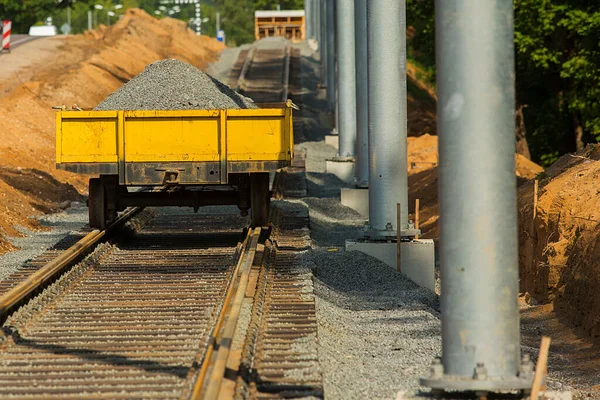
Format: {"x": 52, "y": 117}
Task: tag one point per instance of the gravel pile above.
{"x": 174, "y": 85}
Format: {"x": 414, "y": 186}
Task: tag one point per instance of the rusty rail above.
{"x": 223, "y": 334}
{"x": 134, "y": 320}
{"x": 16, "y": 295}
{"x": 265, "y": 74}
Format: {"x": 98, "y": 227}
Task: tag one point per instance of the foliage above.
{"x": 557, "y": 47}
{"x": 237, "y": 20}
{"x": 421, "y": 35}
{"x": 25, "y": 13}
{"x": 284, "y": 4}
{"x": 237, "y": 16}
{"x": 558, "y": 73}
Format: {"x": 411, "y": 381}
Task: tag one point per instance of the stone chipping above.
{"x": 174, "y": 85}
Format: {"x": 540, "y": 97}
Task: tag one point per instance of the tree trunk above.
{"x": 521, "y": 139}
{"x": 578, "y": 131}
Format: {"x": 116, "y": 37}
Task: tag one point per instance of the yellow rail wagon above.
{"x": 290, "y": 24}
{"x": 198, "y": 157}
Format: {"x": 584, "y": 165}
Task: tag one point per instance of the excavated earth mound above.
{"x": 423, "y": 175}
{"x": 560, "y": 248}
{"x": 174, "y": 85}
{"x": 82, "y": 70}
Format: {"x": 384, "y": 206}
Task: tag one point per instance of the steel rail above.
{"x": 196, "y": 393}
{"x": 245, "y": 68}
{"x": 241, "y": 85}
{"x": 286, "y": 73}
{"x": 216, "y": 363}
{"x": 13, "y": 298}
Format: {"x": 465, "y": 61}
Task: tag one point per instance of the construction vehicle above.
{"x": 290, "y": 24}
{"x": 195, "y": 157}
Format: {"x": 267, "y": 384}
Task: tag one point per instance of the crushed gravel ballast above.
{"x": 174, "y": 85}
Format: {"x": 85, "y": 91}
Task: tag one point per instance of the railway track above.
{"x": 167, "y": 305}
{"x": 154, "y": 314}
{"x": 263, "y": 71}
{"x": 132, "y": 320}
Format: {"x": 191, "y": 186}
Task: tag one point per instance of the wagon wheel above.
{"x": 259, "y": 198}
{"x": 111, "y": 193}
{"x": 97, "y": 204}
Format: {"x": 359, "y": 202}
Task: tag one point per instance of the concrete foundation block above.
{"x": 332, "y": 140}
{"x": 342, "y": 169}
{"x": 356, "y": 199}
{"x": 418, "y": 258}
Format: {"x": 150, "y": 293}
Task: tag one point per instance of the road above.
{"x": 17, "y": 40}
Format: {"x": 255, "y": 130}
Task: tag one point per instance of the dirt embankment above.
{"x": 560, "y": 248}
{"x": 423, "y": 176}
{"x": 83, "y": 71}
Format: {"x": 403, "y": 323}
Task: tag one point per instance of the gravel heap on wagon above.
{"x": 174, "y": 85}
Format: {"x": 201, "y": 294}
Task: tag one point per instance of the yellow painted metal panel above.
{"x": 171, "y": 113}
{"x": 174, "y": 136}
{"x": 256, "y": 138}
{"x": 121, "y": 146}
{"x": 58, "y": 127}
{"x": 171, "y": 138}
{"x": 87, "y": 139}
{"x": 257, "y": 112}
{"x": 223, "y": 146}
{"x": 290, "y": 136}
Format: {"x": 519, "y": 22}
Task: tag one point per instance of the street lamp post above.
{"x": 96, "y": 8}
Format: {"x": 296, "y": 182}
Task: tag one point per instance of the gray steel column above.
{"x": 308, "y": 15}
{"x": 346, "y": 78}
{"x": 331, "y": 74}
{"x": 362, "y": 94}
{"x": 323, "y": 40}
{"x": 388, "y": 176}
{"x": 477, "y": 196}
{"x": 317, "y": 20}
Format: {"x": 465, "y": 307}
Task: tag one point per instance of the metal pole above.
{"x": 198, "y": 18}
{"x": 323, "y": 41}
{"x": 331, "y": 81}
{"x": 478, "y": 203}
{"x": 362, "y": 94}
{"x": 388, "y": 180}
{"x": 317, "y": 23}
{"x": 218, "y": 17}
{"x": 89, "y": 20}
{"x": 346, "y": 78}
{"x": 308, "y": 12}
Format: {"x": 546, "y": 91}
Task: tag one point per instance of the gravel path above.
{"x": 35, "y": 243}
{"x": 378, "y": 331}
{"x": 220, "y": 70}
{"x": 174, "y": 85}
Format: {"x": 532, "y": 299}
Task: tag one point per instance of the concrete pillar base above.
{"x": 418, "y": 258}
{"x": 343, "y": 169}
{"x": 357, "y": 199}
{"x": 332, "y": 140}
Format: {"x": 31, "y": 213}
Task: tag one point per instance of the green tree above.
{"x": 558, "y": 74}
{"x": 557, "y": 69}
{"x": 284, "y": 4}
{"x": 237, "y": 20}
{"x": 25, "y": 13}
